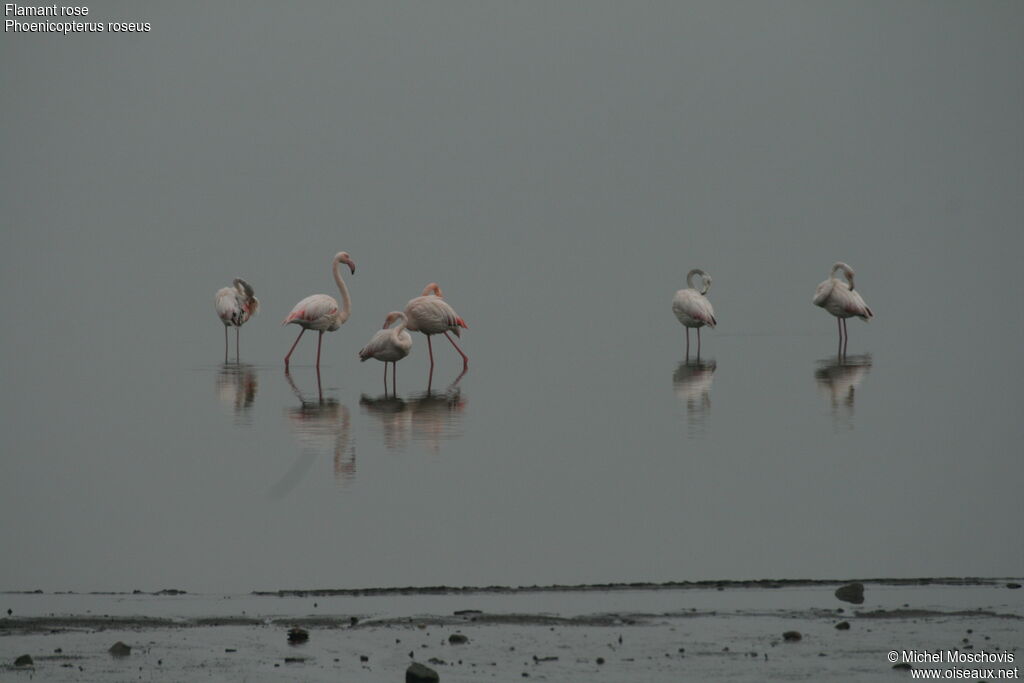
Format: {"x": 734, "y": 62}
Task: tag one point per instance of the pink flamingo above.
{"x": 389, "y": 346}
{"x": 320, "y": 312}
{"x": 692, "y": 307}
{"x": 839, "y": 299}
{"x": 235, "y": 305}
{"x": 430, "y": 314}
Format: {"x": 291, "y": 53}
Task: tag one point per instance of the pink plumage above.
{"x": 430, "y": 314}
{"x": 234, "y": 306}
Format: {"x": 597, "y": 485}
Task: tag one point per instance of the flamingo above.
{"x": 320, "y": 312}
{"x": 235, "y": 305}
{"x": 430, "y": 314}
{"x": 839, "y": 299}
{"x": 389, "y": 346}
{"x": 692, "y": 307}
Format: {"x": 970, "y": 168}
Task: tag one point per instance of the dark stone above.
{"x": 851, "y": 592}
{"x": 792, "y": 636}
{"x": 903, "y": 666}
{"x": 843, "y": 626}
{"x": 1011, "y": 585}
{"x": 119, "y": 649}
{"x": 600, "y": 660}
{"x": 457, "y": 639}
{"x": 297, "y": 635}
{"x": 417, "y": 673}
{"x": 24, "y": 660}
{"x": 363, "y": 658}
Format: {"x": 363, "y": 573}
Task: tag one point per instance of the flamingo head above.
{"x": 432, "y": 288}
{"x": 343, "y": 257}
{"x": 392, "y": 317}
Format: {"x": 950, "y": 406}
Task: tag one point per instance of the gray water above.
{"x": 557, "y": 168}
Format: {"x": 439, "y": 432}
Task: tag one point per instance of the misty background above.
{"x": 557, "y": 168}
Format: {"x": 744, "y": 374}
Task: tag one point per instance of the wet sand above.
{"x": 728, "y": 631}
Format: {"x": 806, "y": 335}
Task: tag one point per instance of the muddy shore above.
{"x": 719, "y": 630}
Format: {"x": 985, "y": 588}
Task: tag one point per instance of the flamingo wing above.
{"x": 433, "y": 315}
{"x": 693, "y": 309}
{"x": 312, "y": 309}
{"x": 854, "y": 304}
{"x": 377, "y": 344}
{"x": 824, "y": 290}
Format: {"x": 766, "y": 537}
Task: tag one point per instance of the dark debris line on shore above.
{"x": 651, "y": 586}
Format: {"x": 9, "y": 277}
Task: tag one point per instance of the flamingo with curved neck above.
{"x": 839, "y": 299}
{"x": 692, "y": 307}
{"x": 320, "y": 312}
{"x": 389, "y": 346}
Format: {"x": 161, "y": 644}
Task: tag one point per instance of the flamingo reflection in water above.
{"x": 431, "y": 417}
{"x": 838, "y": 378}
{"x": 236, "y": 386}
{"x": 321, "y": 425}
{"x": 692, "y": 382}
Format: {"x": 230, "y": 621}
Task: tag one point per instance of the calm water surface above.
{"x": 557, "y": 170}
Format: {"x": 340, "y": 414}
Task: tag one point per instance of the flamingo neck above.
{"x": 397, "y": 330}
{"x": 346, "y": 300}
{"x": 847, "y": 272}
{"x": 704, "y": 284}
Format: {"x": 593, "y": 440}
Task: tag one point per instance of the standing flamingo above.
{"x": 430, "y": 314}
{"x": 839, "y": 299}
{"x": 692, "y": 307}
{"x": 389, "y": 346}
{"x": 320, "y": 312}
{"x": 235, "y": 305}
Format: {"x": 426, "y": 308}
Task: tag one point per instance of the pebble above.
{"x": 418, "y": 673}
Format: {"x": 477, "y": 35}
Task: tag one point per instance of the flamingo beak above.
{"x": 352, "y": 266}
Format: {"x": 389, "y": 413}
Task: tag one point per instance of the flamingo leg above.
{"x": 394, "y": 378}
{"x": 301, "y": 332}
{"x": 687, "y": 341}
{"x": 319, "y": 386}
{"x": 430, "y": 350}
{"x": 385, "y": 379}
{"x": 319, "y": 341}
{"x": 225, "y": 343}
{"x": 465, "y": 358}
{"x": 238, "y": 332}
{"x": 846, "y": 337}
{"x": 698, "y": 343}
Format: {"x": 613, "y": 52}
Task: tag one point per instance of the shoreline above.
{"x": 730, "y": 631}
